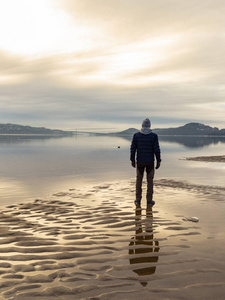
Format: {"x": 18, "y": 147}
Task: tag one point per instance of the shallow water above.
{"x": 34, "y": 167}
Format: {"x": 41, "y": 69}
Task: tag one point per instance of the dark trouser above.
{"x": 150, "y": 175}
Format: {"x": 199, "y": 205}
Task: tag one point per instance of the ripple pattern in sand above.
{"x": 96, "y": 245}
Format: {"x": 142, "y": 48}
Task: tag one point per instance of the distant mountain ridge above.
{"x": 21, "y": 129}
{"x": 128, "y": 131}
{"x": 196, "y": 129}
{"x": 191, "y": 129}
{"x": 187, "y": 129}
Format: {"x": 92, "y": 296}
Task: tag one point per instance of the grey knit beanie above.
{"x": 146, "y": 123}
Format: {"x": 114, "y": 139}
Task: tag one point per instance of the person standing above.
{"x": 143, "y": 151}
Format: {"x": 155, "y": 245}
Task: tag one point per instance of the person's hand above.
{"x": 157, "y": 165}
{"x": 133, "y": 164}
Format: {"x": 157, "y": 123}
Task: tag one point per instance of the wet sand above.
{"x": 219, "y": 158}
{"x": 92, "y": 243}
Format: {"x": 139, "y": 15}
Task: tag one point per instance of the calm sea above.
{"x": 36, "y": 167}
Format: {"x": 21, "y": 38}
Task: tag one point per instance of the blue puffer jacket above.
{"x": 146, "y": 146}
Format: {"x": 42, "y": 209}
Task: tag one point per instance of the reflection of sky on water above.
{"x": 36, "y": 167}
{"x": 176, "y": 167}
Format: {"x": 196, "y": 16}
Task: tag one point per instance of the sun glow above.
{"x": 92, "y": 57}
{"x": 35, "y": 27}
{"x": 132, "y": 64}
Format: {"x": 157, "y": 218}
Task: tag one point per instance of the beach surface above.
{"x": 218, "y": 158}
{"x": 91, "y": 242}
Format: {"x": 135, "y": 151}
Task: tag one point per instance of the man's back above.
{"x": 147, "y": 146}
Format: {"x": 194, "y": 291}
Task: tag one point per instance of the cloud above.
{"x": 195, "y": 29}
{"x": 138, "y": 19}
{"x": 162, "y": 59}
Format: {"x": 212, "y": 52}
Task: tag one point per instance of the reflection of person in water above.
{"x": 143, "y": 247}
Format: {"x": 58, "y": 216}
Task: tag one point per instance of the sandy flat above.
{"x": 92, "y": 243}
{"x": 219, "y": 158}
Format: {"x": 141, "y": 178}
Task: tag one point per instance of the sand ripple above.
{"x": 95, "y": 245}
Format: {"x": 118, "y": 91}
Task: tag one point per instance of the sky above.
{"x": 105, "y": 65}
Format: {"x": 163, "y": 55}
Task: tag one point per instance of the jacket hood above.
{"x": 145, "y": 130}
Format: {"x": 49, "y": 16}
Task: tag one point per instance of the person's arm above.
{"x": 133, "y": 149}
{"x": 157, "y": 152}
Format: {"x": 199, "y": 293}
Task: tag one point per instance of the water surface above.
{"x": 37, "y": 166}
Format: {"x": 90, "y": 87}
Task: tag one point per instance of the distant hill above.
{"x": 21, "y": 129}
{"x": 129, "y": 131}
{"x": 188, "y": 129}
